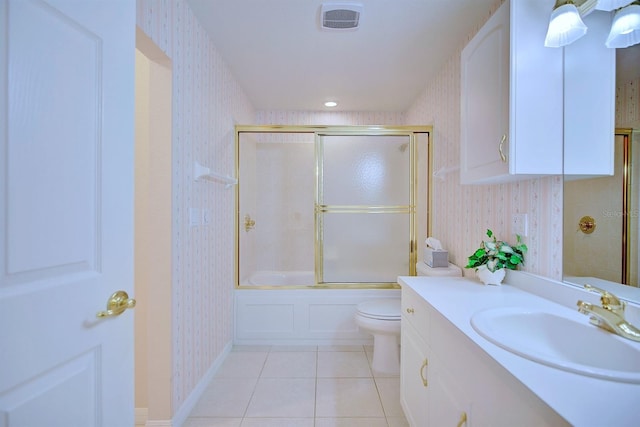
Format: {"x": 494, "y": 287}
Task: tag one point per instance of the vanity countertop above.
{"x": 580, "y": 400}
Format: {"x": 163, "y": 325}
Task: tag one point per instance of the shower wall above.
{"x": 284, "y": 195}
{"x": 277, "y": 188}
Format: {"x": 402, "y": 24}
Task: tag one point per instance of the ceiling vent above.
{"x": 340, "y": 16}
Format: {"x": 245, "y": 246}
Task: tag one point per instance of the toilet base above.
{"x": 386, "y": 354}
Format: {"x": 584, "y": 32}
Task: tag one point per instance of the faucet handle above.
{"x": 608, "y": 300}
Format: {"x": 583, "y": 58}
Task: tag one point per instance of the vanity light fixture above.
{"x": 565, "y": 25}
{"x": 609, "y": 5}
{"x": 625, "y": 29}
{"x": 330, "y": 104}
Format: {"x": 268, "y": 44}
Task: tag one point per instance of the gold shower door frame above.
{"x": 410, "y": 131}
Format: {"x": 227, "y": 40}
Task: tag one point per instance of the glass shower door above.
{"x": 365, "y": 207}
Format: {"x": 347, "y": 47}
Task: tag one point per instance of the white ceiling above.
{"x": 284, "y": 61}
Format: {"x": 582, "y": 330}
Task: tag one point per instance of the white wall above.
{"x": 153, "y": 219}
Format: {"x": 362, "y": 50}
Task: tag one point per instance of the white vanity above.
{"x": 451, "y": 375}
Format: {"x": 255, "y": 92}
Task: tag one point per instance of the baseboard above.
{"x": 142, "y": 414}
{"x": 187, "y": 406}
{"x": 160, "y": 423}
{"x": 142, "y": 419}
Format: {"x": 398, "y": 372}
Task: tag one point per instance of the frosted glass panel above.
{"x": 277, "y": 188}
{"x": 365, "y": 247}
{"x": 366, "y": 170}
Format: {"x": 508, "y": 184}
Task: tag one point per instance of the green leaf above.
{"x": 506, "y": 249}
{"x": 496, "y": 254}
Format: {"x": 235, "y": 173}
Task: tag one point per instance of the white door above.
{"x": 66, "y": 211}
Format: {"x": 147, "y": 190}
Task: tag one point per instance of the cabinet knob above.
{"x": 410, "y": 310}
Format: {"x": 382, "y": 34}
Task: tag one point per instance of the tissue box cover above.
{"x": 436, "y": 257}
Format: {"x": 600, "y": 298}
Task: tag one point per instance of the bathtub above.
{"x": 300, "y": 316}
{"x": 282, "y": 278}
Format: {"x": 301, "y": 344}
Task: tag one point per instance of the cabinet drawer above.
{"x": 415, "y": 311}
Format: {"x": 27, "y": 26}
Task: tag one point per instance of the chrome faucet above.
{"x": 610, "y": 316}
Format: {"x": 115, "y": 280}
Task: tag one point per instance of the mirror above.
{"x": 602, "y": 214}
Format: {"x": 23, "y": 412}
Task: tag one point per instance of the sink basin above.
{"x": 560, "y": 342}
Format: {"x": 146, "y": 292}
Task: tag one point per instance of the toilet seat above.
{"x": 380, "y": 309}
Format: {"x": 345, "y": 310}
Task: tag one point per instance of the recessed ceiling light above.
{"x": 330, "y": 104}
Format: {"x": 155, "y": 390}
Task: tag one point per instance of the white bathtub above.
{"x": 301, "y": 316}
{"x": 282, "y": 278}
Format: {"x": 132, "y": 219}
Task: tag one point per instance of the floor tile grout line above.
{"x": 317, "y": 352}
{"x": 255, "y": 387}
{"x": 315, "y": 396}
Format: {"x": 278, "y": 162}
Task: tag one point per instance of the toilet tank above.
{"x": 422, "y": 269}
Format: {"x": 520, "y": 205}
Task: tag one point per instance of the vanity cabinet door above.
{"x": 448, "y": 404}
{"x": 511, "y": 98}
{"x": 429, "y": 394}
{"x": 414, "y": 377}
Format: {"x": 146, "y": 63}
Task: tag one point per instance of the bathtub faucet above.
{"x": 248, "y": 223}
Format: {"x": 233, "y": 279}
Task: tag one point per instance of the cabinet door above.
{"x": 414, "y": 371}
{"x": 589, "y": 109}
{"x": 448, "y": 405}
{"x": 535, "y": 92}
{"x": 485, "y": 101}
{"x": 511, "y": 98}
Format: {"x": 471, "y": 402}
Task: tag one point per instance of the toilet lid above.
{"x": 388, "y": 308}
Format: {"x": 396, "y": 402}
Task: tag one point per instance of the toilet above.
{"x": 381, "y": 318}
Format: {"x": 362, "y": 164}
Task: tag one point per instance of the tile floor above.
{"x": 300, "y": 386}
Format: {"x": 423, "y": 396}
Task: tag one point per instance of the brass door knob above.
{"x": 117, "y": 304}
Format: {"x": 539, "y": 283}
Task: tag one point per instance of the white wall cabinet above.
{"x": 589, "y": 104}
{"x": 446, "y": 380}
{"x": 511, "y": 97}
{"x": 525, "y": 107}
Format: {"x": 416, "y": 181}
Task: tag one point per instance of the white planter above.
{"x": 490, "y": 278}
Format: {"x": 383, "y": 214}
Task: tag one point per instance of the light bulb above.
{"x": 625, "y": 29}
{"x": 565, "y": 26}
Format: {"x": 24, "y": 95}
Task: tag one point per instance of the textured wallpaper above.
{"x": 628, "y": 104}
{"x": 207, "y": 102}
{"x": 334, "y": 118}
